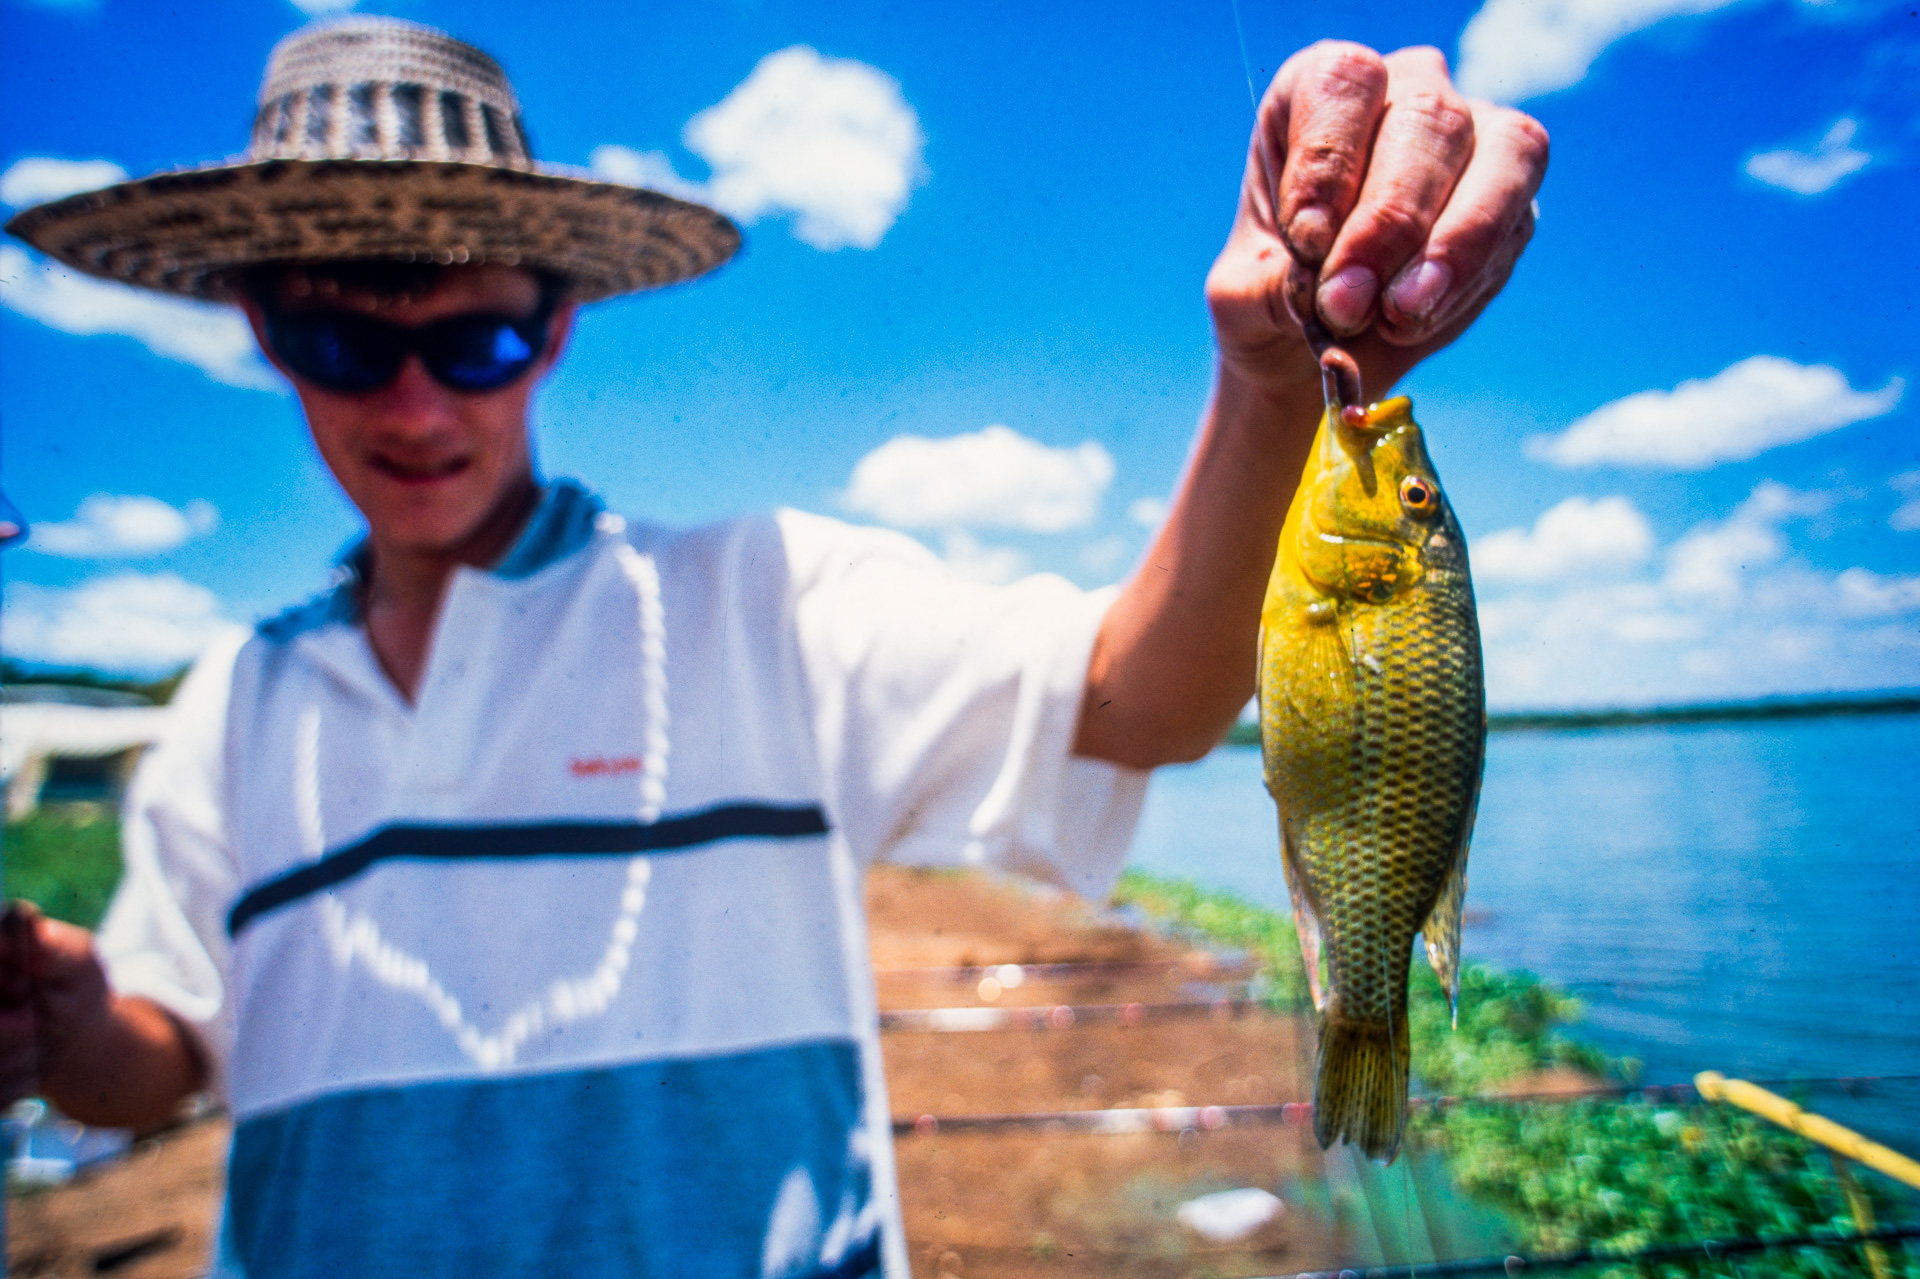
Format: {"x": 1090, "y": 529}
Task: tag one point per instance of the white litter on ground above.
{"x": 1230, "y": 1215}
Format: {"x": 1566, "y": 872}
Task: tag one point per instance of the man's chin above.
{"x": 457, "y": 523}
{"x": 426, "y": 528}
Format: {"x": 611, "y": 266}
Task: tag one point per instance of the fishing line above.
{"x": 1260, "y": 141}
{"x": 1273, "y": 219}
{"x": 1246, "y": 63}
{"x": 1333, "y": 394}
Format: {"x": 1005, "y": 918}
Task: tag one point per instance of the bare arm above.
{"x": 1413, "y": 205}
{"x": 104, "y": 1059}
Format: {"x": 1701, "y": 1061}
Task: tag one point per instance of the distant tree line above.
{"x": 158, "y": 691}
{"x": 1891, "y": 703}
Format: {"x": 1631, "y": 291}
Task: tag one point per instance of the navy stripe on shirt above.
{"x": 533, "y": 839}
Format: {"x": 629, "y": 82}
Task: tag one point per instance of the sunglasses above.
{"x": 350, "y": 353}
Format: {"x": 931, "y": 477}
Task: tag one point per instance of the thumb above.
{"x": 61, "y": 951}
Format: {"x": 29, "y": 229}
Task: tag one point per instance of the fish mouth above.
{"x": 1386, "y": 542}
{"x": 1391, "y": 543}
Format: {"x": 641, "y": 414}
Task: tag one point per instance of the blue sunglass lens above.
{"x": 478, "y": 354}
{"x": 334, "y": 351}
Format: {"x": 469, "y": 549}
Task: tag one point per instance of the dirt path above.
{"x": 1027, "y": 1202}
{"x": 1033, "y": 1203}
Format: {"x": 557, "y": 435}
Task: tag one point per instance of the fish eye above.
{"x": 1417, "y": 495}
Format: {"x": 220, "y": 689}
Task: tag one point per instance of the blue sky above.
{"x": 1682, "y": 444}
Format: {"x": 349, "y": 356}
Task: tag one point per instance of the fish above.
{"x": 1373, "y": 735}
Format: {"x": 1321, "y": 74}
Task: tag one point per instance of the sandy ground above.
{"x": 977, "y": 1205}
{"x": 149, "y": 1216}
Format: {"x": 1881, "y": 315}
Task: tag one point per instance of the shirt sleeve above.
{"x": 164, "y": 936}
{"x": 945, "y": 710}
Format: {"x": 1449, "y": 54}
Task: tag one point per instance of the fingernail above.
{"x": 1310, "y": 234}
{"x": 1420, "y": 288}
{"x": 1346, "y": 299}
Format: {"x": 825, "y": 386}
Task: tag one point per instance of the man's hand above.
{"x": 1412, "y": 203}
{"x": 102, "y": 1059}
{"x": 53, "y": 998}
{"x": 19, "y": 1042}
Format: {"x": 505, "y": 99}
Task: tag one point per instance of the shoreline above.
{"x": 1768, "y": 708}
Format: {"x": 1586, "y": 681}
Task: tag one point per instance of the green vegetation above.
{"x": 1569, "y": 1174}
{"x": 65, "y": 860}
{"x": 1267, "y": 936}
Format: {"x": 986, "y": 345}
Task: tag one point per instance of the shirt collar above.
{"x": 559, "y": 526}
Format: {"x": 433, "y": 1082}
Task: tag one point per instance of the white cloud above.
{"x": 967, "y": 558}
{"x": 992, "y": 478}
{"x": 650, "y": 169}
{"x": 829, "y": 142}
{"x": 1867, "y": 593}
{"x": 1744, "y": 410}
{"x": 1793, "y": 630}
{"x": 214, "y": 339}
{"x": 1636, "y": 612}
{"x": 1731, "y": 612}
{"x": 313, "y": 8}
{"x": 1148, "y": 512}
{"x": 37, "y": 179}
{"x": 1811, "y": 172}
{"x": 1713, "y": 559}
{"x": 1516, "y": 49}
{"x": 107, "y": 526}
{"x": 1580, "y": 535}
{"x": 1906, "y": 516}
{"x": 123, "y": 622}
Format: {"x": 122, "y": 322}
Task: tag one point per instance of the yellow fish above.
{"x": 1372, "y": 728}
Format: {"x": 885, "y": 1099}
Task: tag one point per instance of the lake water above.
{"x": 1736, "y": 897}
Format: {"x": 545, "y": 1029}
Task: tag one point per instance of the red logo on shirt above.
{"x": 602, "y": 766}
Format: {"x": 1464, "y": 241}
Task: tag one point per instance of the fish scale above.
{"x": 1373, "y": 729}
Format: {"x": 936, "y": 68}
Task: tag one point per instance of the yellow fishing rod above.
{"x": 1841, "y": 1143}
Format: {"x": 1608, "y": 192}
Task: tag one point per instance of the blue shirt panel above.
{"x": 657, "y": 1169}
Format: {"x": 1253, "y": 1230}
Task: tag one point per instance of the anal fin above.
{"x": 1442, "y": 933}
{"x": 1306, "y": 924}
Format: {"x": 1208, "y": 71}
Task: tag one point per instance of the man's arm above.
{"x": 110, "y": 1060}
{"x": 1413, "y": 204}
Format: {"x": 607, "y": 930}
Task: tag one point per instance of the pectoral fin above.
{"x": 1318, "y": 672}
{"x": 1442, "y": 931}
{"x": 1306, "y": 925}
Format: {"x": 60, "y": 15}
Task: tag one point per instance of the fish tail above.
{"x": 1360, "y": 1086}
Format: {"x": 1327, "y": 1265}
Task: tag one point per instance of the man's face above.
{"x": 425, "y": 464}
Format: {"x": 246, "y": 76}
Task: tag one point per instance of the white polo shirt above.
{"x": 562, "y": 969}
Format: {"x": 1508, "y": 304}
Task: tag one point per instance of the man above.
{"x": 509, "y": 893}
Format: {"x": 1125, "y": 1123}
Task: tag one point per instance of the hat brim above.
{"x": 190, "y": 232}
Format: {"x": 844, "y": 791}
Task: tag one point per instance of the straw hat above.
{"x": 384, "y": 140}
